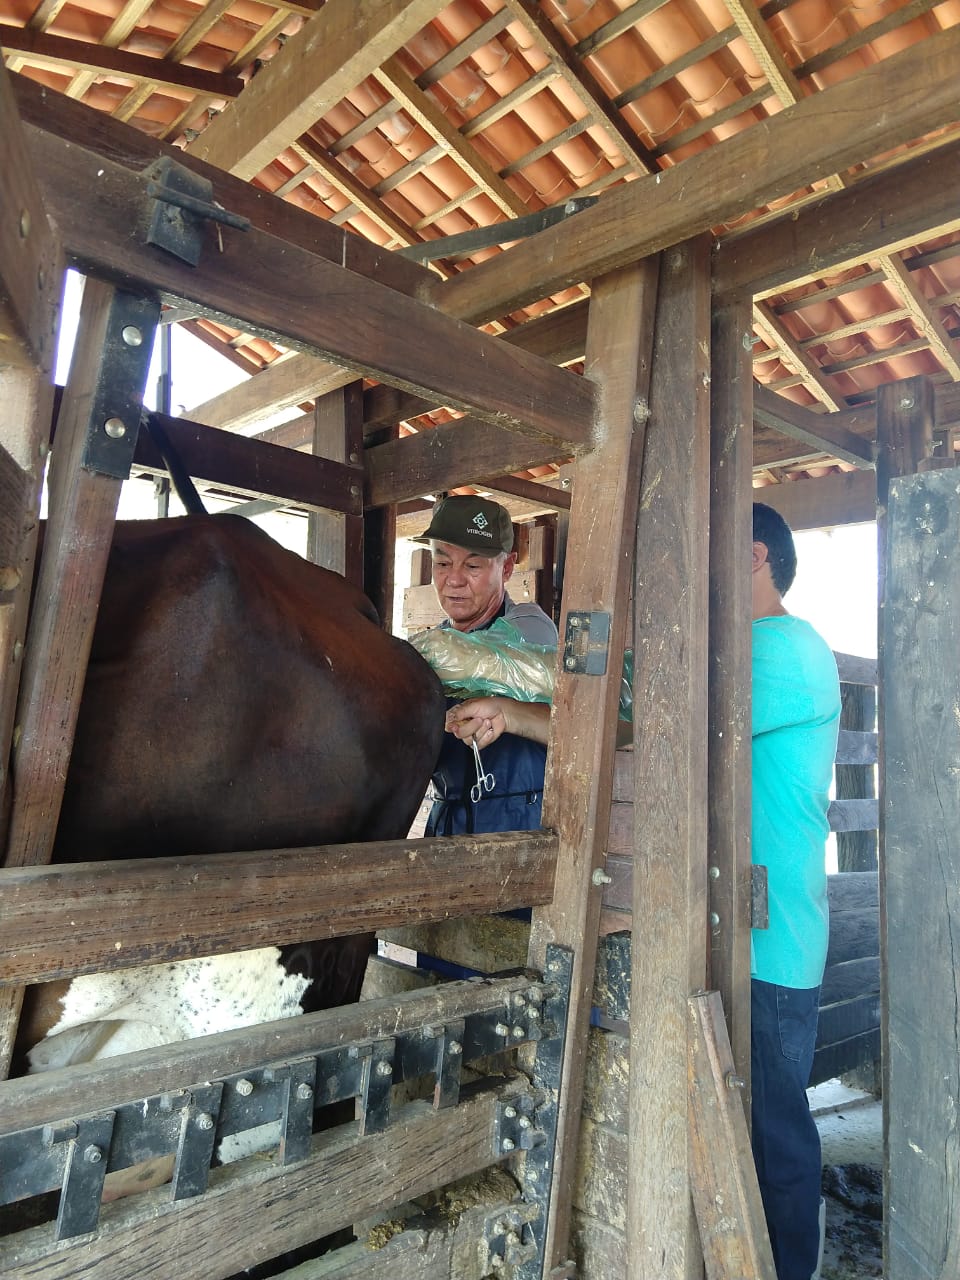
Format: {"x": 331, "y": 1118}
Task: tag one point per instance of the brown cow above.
{"x": 239, "y": 697}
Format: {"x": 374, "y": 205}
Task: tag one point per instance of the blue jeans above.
{"x": 786, "y": 1144}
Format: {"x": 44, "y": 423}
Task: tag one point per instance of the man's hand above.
{"x": 485, "y": 719}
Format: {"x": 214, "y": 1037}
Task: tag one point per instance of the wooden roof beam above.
{"x": 765, "y": 49}
{"x": 780, "y": 338}
{"x": 885, "y": 106}
{"x": 364, "y": 326}
{"x": 340, "y": 177}
{"x": 421, "y": 108}
{"x": 818, "y": 430}
{"x": 922, "y": 313}
{"x": 119, "y": 30}
{"x": 332, "y": 53}
{"x": 889, "y": 211}
{"x": 104, "y": 60}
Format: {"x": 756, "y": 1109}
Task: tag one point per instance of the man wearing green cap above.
{"x": 471, "y": 539}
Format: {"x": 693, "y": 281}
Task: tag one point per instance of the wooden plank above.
{"x": 853, "y": 815}
{"x": 333, "y": 540}
{"x": 889, "y": 104}
{"x": 45, "y": 49}
{"x": 850, "y": 978}
{"x": 292, "y": 1205}
{"x": 843, "y": 1019}
{"x": 728, "y": 762}
{"x": 920, "y": 869}
{"x": 826, "y": 502}
{"x": 816, "y": 429}
{"x": 252, "y": 467}
{"x": 854, "y": 934}
{"x": 670, "y": 762}
{"x": 97, "y": 131}
{"x": 726, "y": 1194}
{"x": 854, "y": 670}
{"x": 53, "y": 1096}
{"x": 848, "y": 1055}
{"x": 902, "y": 206}
{"x": 857, "y": 753}
{"x": 281, "y": 385}
{"x": 856, "y": 748}
{"x": 583, "y": 720}
{"x": 365, "y": 326}
{"x": 330, "y": 55}
{"x": 853, "y": 890}
{"x": 80, "y": 918}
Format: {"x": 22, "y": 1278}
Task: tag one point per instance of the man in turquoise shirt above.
{"x": 796, "y": 713}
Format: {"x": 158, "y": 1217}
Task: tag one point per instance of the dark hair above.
{"x": 770, "y": 528}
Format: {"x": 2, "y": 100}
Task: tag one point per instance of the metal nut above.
{"x": 384, "y": 1068}
{"x": 508, "y": 1144}
{"x": 92, "y": 1154}
{"x": 304, "y": 1092}
{"x": 244, "y": 1088}
{"x": 132, "y": 336}
{"x": 115, "y": 428}
{"x": 454, "y": 1048}
{"x": 204, "y": 1121}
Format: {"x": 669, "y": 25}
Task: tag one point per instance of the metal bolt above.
{"x": 641, "y": 412}
{"x": 733, "y": 1081}
{"x": 454, "y": 1048}
{"x": 510, "y": 1112}
{"x": 565, "y": 482}
{"x": 533, "y": 1015}
{"x": 507, "y": 1144}
{"x": 501, "y": 1029}
{"x": 131, "y": 335}
{"x": 518, "y": 1033}
{"x": 17, "y": 650}
{"x": 304, "y": 1092}
{"x": 92, "y": 1154}
{"x": 204, "y": 1122}
{"x": 41, "y": 279}
{"x": 24, "y": 223}
{"x": 244, "y": 1088}
{"x": 115, "y": 428}
{"x": 906, "y": 402}
{"x": 519, "y": 1000}
{"x": 354, "y": 491}
{"x": 524, "y": 1122}
{"x": 354, "y": 456}
{"x": 553, "y": 966}
{"x": 714, "y": 919}
{"x": 600, "y": 877}
{"x": 575, "y": 621}
{"x": 714, "y": 873}
{"x": 570, "y": 663}
{"x": 384, "y": 1068}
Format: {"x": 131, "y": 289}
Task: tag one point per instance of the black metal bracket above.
{"x": 586, "y": 643}
{"x": 180, "y": 204}
{"x": 509, "y": 1239}
{"x": 467, "y": 242}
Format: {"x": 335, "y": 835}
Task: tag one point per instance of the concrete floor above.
{"x": 851, "y": 1134}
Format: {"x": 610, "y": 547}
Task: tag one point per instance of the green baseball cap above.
{"x": 478, "y": 524}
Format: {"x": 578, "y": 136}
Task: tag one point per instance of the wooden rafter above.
{"x": 792, "y": 353}
{"x": 118, "y": 31}
{"x": 820, "y": 431}
{"x": 765, "y": 49}
{"x": 332, "y": 53}
{"x": 339, "y": 176}
{"x": 424, "y": 110}
{"x": 923, "y": 313}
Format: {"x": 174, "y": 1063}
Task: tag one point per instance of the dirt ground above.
{"x": 851, "y": 1134}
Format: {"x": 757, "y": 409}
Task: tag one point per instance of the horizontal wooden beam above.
{"x": 825, "y": 502}
{"x": 254, "y": 468}
{"x": 361, "y": 325}
{"x": 888, "y": 105}
{"x": 815, "y": 429}
{"x": 281, "y": 385}
{"x": 171, "y": 908}
{"x": 40, "y": 47}
{"x": 452, "y": 454}
{"x": 887, "y": 211}
{"x": 96, "y": 131}
{"x": 287, "y": 1206}
{"x": 52, "y": 1096}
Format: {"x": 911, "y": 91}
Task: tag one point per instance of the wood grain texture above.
{"x": 209, "y": 1238}
{"x": 583, "y": 720}
{"x": 920, "y": 869}
{"x": 362, "y": 325}
{"x": 62, "y": 920}
{"x": 335, "y": 540}
{"x": 891, "y": 103}
{"x": 726, "y": 1194}
{"x": 729, "y": 763}
{"x": 670, "y": 755}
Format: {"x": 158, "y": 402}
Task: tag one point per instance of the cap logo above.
{"x": 480, "y": 520}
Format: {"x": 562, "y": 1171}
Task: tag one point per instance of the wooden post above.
{"x": 731, "y": 534}
{"x": 920, "y": 876}
{"x": 583, "y": 722}
{"x": 334, "y": 540}
{"x": 105, "y": 391}
{"x": 857, "y": 850}
{"x": 380, "y": 544}
{"x": 670, "y": 764}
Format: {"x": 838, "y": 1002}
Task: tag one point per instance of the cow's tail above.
{"x": 186, "y": 490}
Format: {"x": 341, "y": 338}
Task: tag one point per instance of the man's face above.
{"x": 470, "y": 587}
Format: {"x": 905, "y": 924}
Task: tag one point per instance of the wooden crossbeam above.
{"x": 332, "y": 53}
{"x": 922, "y": 312}
{"x": 785, "y": 344}
{"x": 765, "y": 49}
{"x": 365, "y": 326}
{"x": 818, "y": 430}
{"x": 340, "y": 177}
{"x": 890, "y": 104}
{"x": 171, "y": 908}
{"x": 102, "y": 59}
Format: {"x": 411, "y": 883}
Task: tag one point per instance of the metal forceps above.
{"x": 485, "y": 781}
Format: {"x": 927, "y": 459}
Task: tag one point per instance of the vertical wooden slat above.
{"x": 920, "y": 878}
{"x": 726, "y": 1194}
{"x": 334, "y": 540}
{"x": 670, "y": 763}
{"x": 79, "y": 532}
{"x": 380, "y": 545}
{"x": 731, "y": 534}
{"x": 583, "y": 722}
{"x": 857, "y": 850}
